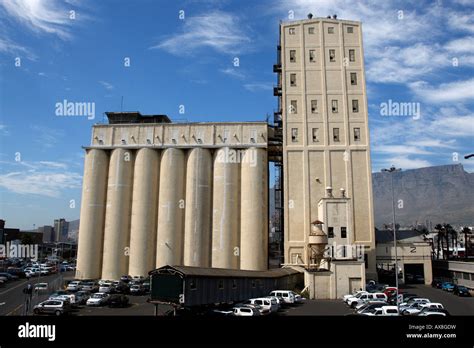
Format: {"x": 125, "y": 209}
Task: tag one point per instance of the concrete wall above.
{"x": 172, "y": 194}
{"x": 310, "y": 165}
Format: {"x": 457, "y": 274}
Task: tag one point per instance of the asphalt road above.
{"x": 12, "y": 297}
{"x": 455, "y": 305}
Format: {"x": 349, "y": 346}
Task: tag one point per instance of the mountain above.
{"x": 437, "y": 194}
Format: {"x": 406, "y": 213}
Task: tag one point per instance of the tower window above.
{"x": 335, "y": 134}
{"x": 292, "y": 56}
{"x": 292, "y": 31}
{"x": 355, "y": 105}
{"x": 312, "y": 56}
{"x": 352, "y": 55}
{"x": 311, "y": 30}
{"x": 356, "y": 134}
{"x": 293, "y": 80}
{"x": 332, "y": 55}
{"x": 330, "y": 30}
{"x": 293, "y": 107}
{"x": 294, "y": 135}
{"x": 315, "y": 132}
{"x": 353, "y": 78}
{"x": 343, "y": 232}
{"x": 334, "y": 106}
{"x": 314, "y": 106}
{"x": 350, "y": 30}
{"x": 330, "y": 232}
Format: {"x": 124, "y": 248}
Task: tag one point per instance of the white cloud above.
{"x": 41, "y": 16}
{"x": 40, "y": 183}
{"x": 463, "y": 45}
{"x": 446, "y": 92}
{"x": 9, "y": 47}
{"x": 46, "y": 137}
{"x": 255, "y": 87}
{"x": 107, "y": 85}
{"x": 217, "y": 30}
{"x": 233, "y": 72}
{"x": 402, "y": 150}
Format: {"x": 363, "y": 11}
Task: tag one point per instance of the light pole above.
{"x": 393, "y": 170}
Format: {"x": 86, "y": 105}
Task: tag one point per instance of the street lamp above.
{"x": 393, "y": 170}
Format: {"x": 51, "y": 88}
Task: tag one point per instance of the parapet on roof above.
{"x": 135, "y": 117}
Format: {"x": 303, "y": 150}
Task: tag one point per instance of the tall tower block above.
{"x": 323, "y": 103}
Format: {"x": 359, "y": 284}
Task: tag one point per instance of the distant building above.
{"x": 7, "y": 234}
{"x": 72, "y": 231}
{"x": 60, "y": 230}
{"x": 48, "y": 233}
{"x": 413, "y": 254}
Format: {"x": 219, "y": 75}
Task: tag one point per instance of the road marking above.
{"x": 4, "y": 292}
{"x": 1, "y": 304}
{"x": 14, "y": 310}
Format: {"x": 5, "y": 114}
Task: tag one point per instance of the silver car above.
{"x": 54, "y": 306}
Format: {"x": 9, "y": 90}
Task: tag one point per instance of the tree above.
{"x": 439, "y": 229}
{"x": 466, "y": 230}
{"x": 449, "y": 232}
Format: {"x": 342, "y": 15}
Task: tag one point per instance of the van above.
{"x": 376, "y": 296}
{"x": 265, "y": 303}
{"x": 286, "y": 295}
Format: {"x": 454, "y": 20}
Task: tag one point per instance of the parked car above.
{"x": 437, "y": 283}
{"x": 90, "y": 286}
{"x": 75, "y": 285}
{"x": 136, "y": 290}
{"x": 370, "y": 307}
{"x": 363, "y": 303}
{"x": 354, "y": 301}
{"x": 56, "y": 307}
{"x": 118, "y": 301}
{"x": 40, "y": 287}
{"x": 460, "y": 290}
{"x": 121, "y": 288}
{"x": 98, "y": 299}
{"x": 140, "y": 279}
{"x": 286, "y": 295}
{"x": 265, "y": 303}
{"x": 81, "y": 297}
{"x": 345, "y": 297}
{"x": 417, "y": 307}
{"x": 447, "y": 286}
{"x": 9, "y": 276}
{"x": 425, "y": 312}
{"x": 298, "y": 298}
{"x": 245, "y": 312}
{"x": 125, "y": 278}
{"x": 386, "y": 311}
{"x": 414, "y": 300}
{"x": 106, "y": 287}
{"x": 275, "y": 300}
{"x": 63, "y": 295}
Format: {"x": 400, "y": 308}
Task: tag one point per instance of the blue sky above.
{"x": 415, "y": 51}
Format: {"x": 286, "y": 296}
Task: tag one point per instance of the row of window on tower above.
{"x": 293, "y": 82}
{"x": 311, "y": 30}
{"x": 312, "y": 56}
{"x": 331, "y": 232}
{"x": 316, "y": 137}
{"x": 293, "y": 107}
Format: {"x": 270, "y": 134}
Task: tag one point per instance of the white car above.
{"x": 276, "y": 300}
{"x": 265, "y": 304}
{"x": 41, "y": 287}
{"x": 386, "y": 311}
{"x": 286, "y": 295}
{"x": 245, "y": 312}
{"x": 98, "y": 299}
{"x": 417, "y": 307}
{"x": 414, "y": 300}
{"x": 345, "y": 297}
{"x": 138, "y": 278}
{"x": 298, "y": 298}
{"x": 360, "y": 305}
{"x": 73, "y": 286}
{"x": 363, "y": 298}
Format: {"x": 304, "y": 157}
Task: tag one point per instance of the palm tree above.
{"x": 439, "y": 229}
{"x": 449, "y": 232}
{"x": 466, "y": 230}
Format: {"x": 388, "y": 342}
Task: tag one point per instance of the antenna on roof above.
{"x": 334, "y": 16}
{"x": 310, "y": 15}
{"x": 121, "y": 105}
